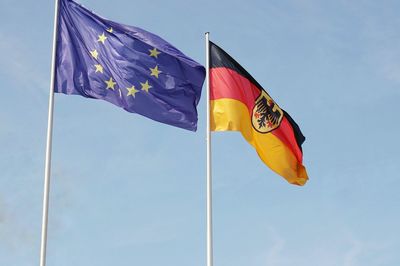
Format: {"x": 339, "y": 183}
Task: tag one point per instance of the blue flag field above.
{"x": 127, "y": 66}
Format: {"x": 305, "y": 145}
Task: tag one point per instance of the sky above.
{"x": 126, "y": 190}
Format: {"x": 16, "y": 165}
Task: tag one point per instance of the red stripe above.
{"x": 286, "y": 134}
{"x": 227, "y": 83}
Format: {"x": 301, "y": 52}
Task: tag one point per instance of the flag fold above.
{"x": 239, "y": 103}
{"x": 127, "y": 66}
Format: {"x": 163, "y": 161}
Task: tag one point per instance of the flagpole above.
{"x": 209, "y": 179}
{"x": 46, "y": 190}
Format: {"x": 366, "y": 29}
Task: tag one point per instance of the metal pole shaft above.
{"x": 209, "y": 179}
{"x": 43, "y": 243}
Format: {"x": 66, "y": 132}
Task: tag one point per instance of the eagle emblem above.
{"x": 266, "y": 115}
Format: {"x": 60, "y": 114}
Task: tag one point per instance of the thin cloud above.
{"x": 274, "y": 256}
{"x": 352, "y": 255}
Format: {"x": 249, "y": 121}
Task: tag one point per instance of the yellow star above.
{"x": 155, "y": 71}
{"x": 99, "y": 68}
{"x": 132, "y": 91}
{"x": 110, "y": 83}
{"x": 154, "y": 52}
{"x": 110, "y": 30}
{"x": 146, "y": 86}
{"x": 102, "y": 38}
{"x": 94, "y": 54}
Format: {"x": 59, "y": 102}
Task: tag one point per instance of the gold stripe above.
{"x": 233, "y": 115}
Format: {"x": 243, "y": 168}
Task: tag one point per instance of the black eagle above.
{"x": 267, "y": 115}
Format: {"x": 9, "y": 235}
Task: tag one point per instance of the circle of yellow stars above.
{"x": 110, "y": 84}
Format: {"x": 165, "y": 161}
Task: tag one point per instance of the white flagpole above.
{"x": 209, "y": 179}
{"x": 43, "y": 243}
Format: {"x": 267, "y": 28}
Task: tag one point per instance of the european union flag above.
{"x": 127, "y": 66}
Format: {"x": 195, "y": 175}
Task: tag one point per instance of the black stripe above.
{"x": 220, "y": 58}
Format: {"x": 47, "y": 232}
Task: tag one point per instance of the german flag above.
{"x": 239, "y": 103}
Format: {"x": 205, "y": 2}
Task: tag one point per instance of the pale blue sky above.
{"x": 130, "y": 191}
